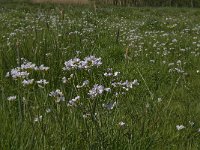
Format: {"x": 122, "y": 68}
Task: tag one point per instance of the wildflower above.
{"x": 42, "y": 81}
{"x": 180, "y": 127}
{"x": 126, "y": 85}
{"x": 58, "y": 95}
{"x": 191, "y": 123}
{"x": 174, "y": 40}
{"x": 87, "y": 63}
{"x": 86, "y": 115}
{"x": 38, "y": 118}
{"x": 147, "y": 105}
{"x": 90, "y": 61}
{"x": 17, "y": 73}
{"x": 42, "y": 68}
{"x": 72, "y": 64}
{"x": 64, "y": 80}
{"x": 74, "y": 101}
{"x": 178, "y": 62}
{"x": 27, "y": 65}
{"x": 96, "y": 90}
{"x": 170, "y": 64}
{"x": 121, "y": 124}
{"x": 107, "y": 74}
{"x": 48, "y": 54}
{"x": 70, "y": 77}
{"x": 116, "y": 74}
{"x": 159, "y": 100}
{"x": 78, "y": 52}
{"x": 107, "y": 89}
{"x": 109, "y": 106}
{"x": 86, "y": 82}
{"x": 48, "y": 110}
{"x": 152, "y": 61}
{"x": 27, "y": 82}
{"x": 179, "y": 70}
{"x": 12, "y": 98}
{"x": 116, "y": 94}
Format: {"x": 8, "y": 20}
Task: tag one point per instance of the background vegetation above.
{"x": 140, "y": 3}
{"x": 169, "y": 3}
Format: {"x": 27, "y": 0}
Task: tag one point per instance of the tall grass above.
{"x": 56, "y": 92}
{"x": 62, "y": 1}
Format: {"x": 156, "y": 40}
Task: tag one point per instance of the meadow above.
{"x": 74, "y": 77}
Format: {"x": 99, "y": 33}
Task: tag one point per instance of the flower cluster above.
{"x": 96, "y": 90}
{"x": 86, "y": 82}
{"x": 17, "y": 73}
{"x": 73, "y": 101}
{"x": 23, "y": 72}
{"x": 109, "y": 106}
{"x": 110, "y": 73}
{"x": 58, "y": 95}
{"x": 12, "y": 98}
{"x": 125, "y": 85}
{"x": 86, "y": 63}
{"x": 27, "y": 82}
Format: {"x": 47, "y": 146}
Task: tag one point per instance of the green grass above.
{"x": 51, "y": 35}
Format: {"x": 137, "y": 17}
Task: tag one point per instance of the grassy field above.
{"x": 62, "y": 1}
{"x": 114, "y": 78}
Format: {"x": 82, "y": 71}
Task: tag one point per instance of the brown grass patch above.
{"x": 62, "y": 1}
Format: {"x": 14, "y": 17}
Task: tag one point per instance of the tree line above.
{"x": 164, "y": 3}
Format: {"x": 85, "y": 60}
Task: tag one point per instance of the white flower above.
{"x": 107, "y": 74}
{"x": 12, "y": 98}
{"x": 72, "y": 64}
{"x": 64, "y": 80}
{"x": 126, "y": 85}
{"x": 17, "y": 73}
{"x": 170, "y": 64}
{"x": 174, "y": 40}
{"x": 27, "y": 82}
{"x": 147, "y": 105}
{"x": 116, "y": 74}
{"x": 48, "y": 110}
{"x": 159, "y": 100}
{"x": 86, "y": 82}
{"x": 180, "y": 127}
{"x": 42, "y": 68}
{"x": 91, "y": 61}
{"x": 73, "y": 101}
{"x": 96, "y": 90}
{"x": 152, "y": 61}
{"x": 109, "y": 106}
{"x": 86, "y": 115}
{"x": 107, "y": 89}
{"x": 121, "y": 124}
{"x": 58, "y": 95}
{"x": 38, "y": 118}
{"x": 87, "y": 63}
{"x": 191, "y": 123}
{"x": 28, "y": 65}
{"x": 7, "y": 74}
{"x": 71, "y": 75}
{"x": 42, "y": 81}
